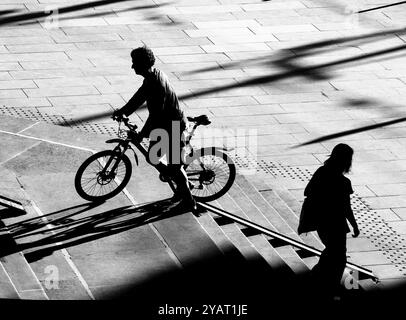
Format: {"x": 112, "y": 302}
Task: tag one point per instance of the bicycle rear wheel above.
{"x": 212, "y": 173}
{"x": 103, "y": 175}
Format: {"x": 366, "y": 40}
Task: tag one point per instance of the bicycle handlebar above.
{"x": 126, "y": 121}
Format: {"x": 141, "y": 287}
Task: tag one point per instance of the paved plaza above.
{"x": 282, "y": 81}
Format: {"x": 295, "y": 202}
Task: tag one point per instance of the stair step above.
{"x": 208, "y": 223}
{"x": 230, "y": 204}
{"x": 289, "y": 208}
{"x": 282, "y": 226}
{"x": 14, "y": 263}
{"x": 241, "y": 242}
{"x": 290, "y": 200}
{"x": 267, "y": 210}
{"x": 213, "y": 225}
{"x": 7, "y": 288}
{"x": 271, "y": 195}
{"x": 20, "y": 228}
{"x": 23, "y": 277}
{"x": 293, "y": 260}
{"x": 270, "y": 254}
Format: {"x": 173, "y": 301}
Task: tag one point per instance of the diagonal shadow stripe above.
{"x": 46, "y": 13}
{"x": 382, "y": 7}
{"x": 301, "y": 71}
{"x": 352, "y": 131}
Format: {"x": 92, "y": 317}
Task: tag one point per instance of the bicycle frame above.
{"x": 195, "y": 164}
{"x": 132, "y": 134}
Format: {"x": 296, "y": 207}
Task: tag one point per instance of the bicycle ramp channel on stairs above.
{"x": 65, "y": 248}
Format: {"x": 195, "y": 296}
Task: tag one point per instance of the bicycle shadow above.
{"x": 68, "y": 227}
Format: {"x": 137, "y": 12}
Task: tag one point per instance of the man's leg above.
{"x": 179, "y": 176}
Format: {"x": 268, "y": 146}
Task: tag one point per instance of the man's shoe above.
{"x": 191, "y": 206}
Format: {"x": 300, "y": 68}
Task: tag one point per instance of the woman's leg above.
{"x": 333, "y": 259}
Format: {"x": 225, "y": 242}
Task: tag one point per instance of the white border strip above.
{"x": 65, "y": 253}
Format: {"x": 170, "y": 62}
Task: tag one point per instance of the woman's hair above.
{"x": 340, "y": 158}
{"x": 144, "y": 57}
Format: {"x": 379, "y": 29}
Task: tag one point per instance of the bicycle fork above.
{"x": 119, "y": 151}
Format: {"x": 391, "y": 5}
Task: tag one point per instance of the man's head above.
{"x": 142, "y": 59}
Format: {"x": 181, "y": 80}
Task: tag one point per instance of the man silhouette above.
{"x": 164, "y": 114}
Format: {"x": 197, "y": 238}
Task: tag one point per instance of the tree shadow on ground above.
{"x": 32, "y": 17}
{"x": 290, "y": 61}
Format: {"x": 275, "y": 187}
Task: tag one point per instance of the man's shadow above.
{"x": 68, "y": 227}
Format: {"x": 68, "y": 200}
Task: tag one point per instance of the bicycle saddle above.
{"x": 200, "y": 120}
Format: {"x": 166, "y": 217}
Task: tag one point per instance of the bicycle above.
{"x": 210, "y": 171}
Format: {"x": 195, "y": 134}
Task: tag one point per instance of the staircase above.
{"x": 274, "y": 208}
{"x": 17, "y": 279}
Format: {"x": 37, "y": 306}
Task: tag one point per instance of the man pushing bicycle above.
{"x": 165, "y": 115}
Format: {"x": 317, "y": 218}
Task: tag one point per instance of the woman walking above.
{"x": 329, "y": 192}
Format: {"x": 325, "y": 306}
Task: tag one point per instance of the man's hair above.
{"x": 144, "y": 56}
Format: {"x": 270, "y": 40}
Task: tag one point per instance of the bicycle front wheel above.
{"x": 103, "y": 175}
{"x": 212, "y": 173}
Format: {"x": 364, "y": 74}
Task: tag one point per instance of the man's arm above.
{"x": 134, "y": 103}
{"x": 156, "y": 112}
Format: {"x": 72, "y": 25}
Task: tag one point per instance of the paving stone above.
{"x": 38, "y": 65}
{"x": 33, "y": 57}
{"x": 95, "y": 29}
{"x": 398, "y": 226}
{"x": 213, "y": 102}
{"x": 12, "y": 94}
{"x": 10, "y": 150}
{"x": 86, "y": 38}
{"x": 359, "y": 244}
{"x": 247, "y": 110}
{"x": 216, "y": 74}
{"x": 227, "y": 24}
{"x": 220, "y": 40}
{"x": 235, "y": 48}
{"x": 400, "y": 212}
{"x": 80, "y": 22}
{"x": 302, "y": 160}
{"x": 298, "y": 97}
{"x": 306, "y": 117}
{"x": 40, "y": 48}
{"x": 283, "y": 29}
{"x": 113, "y": 99}
{"x": 25, "y": 102}
{"x": 71, "y": 82}
{"x": 25, "y": 40}
{"x": 368, "y": 258}
{"x": 162, "y": 34}
{"x": 386, "y": 271}
{"x": 65, "y": 91}
{"x": 177, "y": 50}
{"x": 218, "y": 32}
{"x": 209, "y": 9}
{"x": 133, "y": 21}
{"x": 387, "y": 201}
{"x": 387, "y": 215}
{"x": 46, "y": 74}
{"x": 388, "y": 189}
